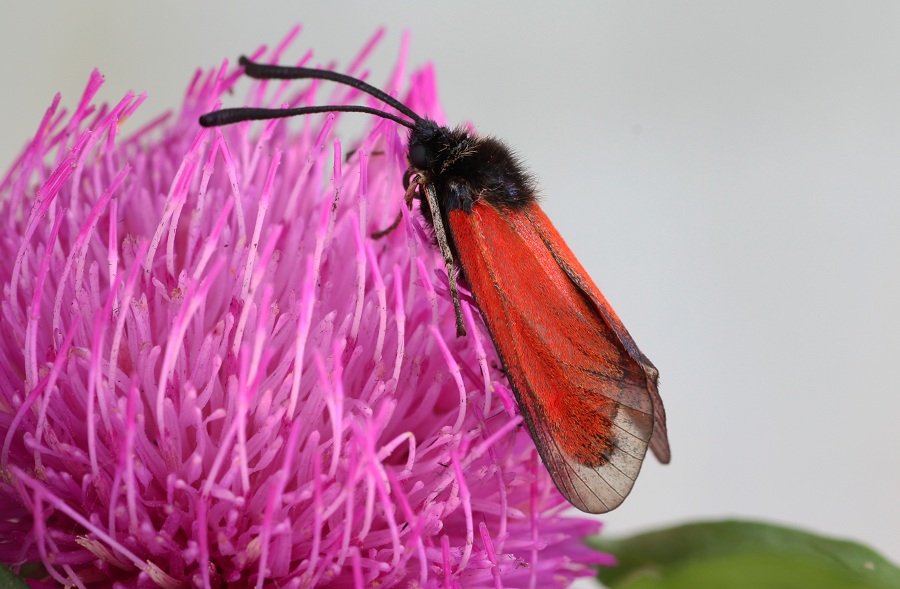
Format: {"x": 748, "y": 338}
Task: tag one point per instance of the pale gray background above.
{"x": 729, "y": 174}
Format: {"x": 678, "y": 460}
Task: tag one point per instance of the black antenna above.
{"x": 279, "y": 72}
{"x": 227, "y": 116}
{"x": 262, "y": 71}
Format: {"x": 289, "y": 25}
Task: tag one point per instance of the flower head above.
{"x": 211, "y": 374}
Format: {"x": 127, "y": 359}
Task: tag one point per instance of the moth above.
{"x": 586, "y": 392}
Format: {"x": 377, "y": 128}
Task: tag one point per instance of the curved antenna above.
{"x": 227, "y": 116}
{"x": 279, "y": 72}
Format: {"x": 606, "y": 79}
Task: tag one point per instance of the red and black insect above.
{"x": 587, "y": 393}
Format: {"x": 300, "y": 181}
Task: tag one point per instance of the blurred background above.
{"x": 728, "y": 174}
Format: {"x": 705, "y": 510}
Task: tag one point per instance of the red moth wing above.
{"x": 659, "y": 442}
{"x": 585, "y": 391}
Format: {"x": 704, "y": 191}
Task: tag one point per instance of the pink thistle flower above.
{"x": 211, "y": 375}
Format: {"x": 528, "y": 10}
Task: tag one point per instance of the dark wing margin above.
{"x": 599, "y": 489}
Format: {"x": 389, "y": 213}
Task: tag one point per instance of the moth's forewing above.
{"x": 583, "y": 394}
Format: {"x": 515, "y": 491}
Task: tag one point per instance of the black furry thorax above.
{"x": 464, "y": 167}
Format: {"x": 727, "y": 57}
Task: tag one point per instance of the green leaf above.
{"x": 8, "y": 579}
{"x": 742, "y": 555}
